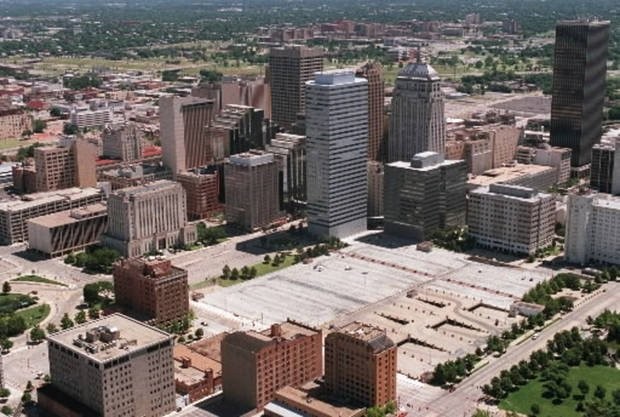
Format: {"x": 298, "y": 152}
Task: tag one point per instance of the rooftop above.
{"x": 287, "y": 331}
{"x": 71, "y": 216}
{"x": 109, "y": 337}
{"x": 508, "y": 173}
{"x": 36, "y": 199}
{"x": 155, "y": 186}
{"x": 288, "y": 400}
{"x": 419, "y": 70}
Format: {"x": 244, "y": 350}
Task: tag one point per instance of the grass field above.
{"x": 522, "y": 400}
{"x": 34, "y": 315}
{"x": 38, "y": 279}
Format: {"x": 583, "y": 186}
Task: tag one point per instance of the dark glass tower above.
{"x": 579, "y": 68}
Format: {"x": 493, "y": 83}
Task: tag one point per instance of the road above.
{"x": 463, "y": 401}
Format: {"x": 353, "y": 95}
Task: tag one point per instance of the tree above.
{"x": 70, "y": 129}
{"x": 66, "y": 322}
{"x": 38, "y": 126}
{"x": 234, "y": 275}
{"x": 29, "y": 386}
{"x": 226, "y": 272}
{"x": 37, "y": 334}
{"x": 535, "y": 409}
{"x": 55, "y": 112}
{"x": 199, "y": 332}
{"x": 5, "y": 344}
{"x": 6, "y": 287}
{"x": 616, "y": 396}
{"x": 26, "y": 398}
{"x": 51, "y": 328}
{"x": 94, "y": 313}
{"x": 80, "y": 317}
{"x": 267, "y": 259}
{"x": 253, "y": 272}
{"x": 600, "y": 392}
{"x": 583, "y": 387}
{"x": 4, "y": 392}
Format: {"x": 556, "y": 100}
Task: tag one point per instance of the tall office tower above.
{"x": 57, "y": 168}
{"x": 202, "y": 187}
{"x": 605, "y": 167}
{"x": 183, "y": 125}
{"x": 255, "y": 365}
{"x": 252, "y": 192}
{"x": 289, "y": 68}
{"x": 148, "y": 218}
{"x": 417, "y": 122}
{"x": 236, "y": 129}
{"x": 290, "y": 153}
{"x": 337, "y": 146}
{"x": 373, "y": 72}
{"x": 153, "y": 289}
{"x": 593, "y": 229}
{"x": 124, "y": 142}
{"x": 511, "y": 218}
{"x": 360, "y": 365}
{"x": 111, "y": 367}
{"x": 425, "y": 195}
{"x": 578, "y": 91}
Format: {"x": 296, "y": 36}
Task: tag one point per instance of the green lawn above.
{"x": 36, "y": 278}
{"x": 521, "y": 400}
{"x": 34, "y": 315}
{"x": 12, "y": 302}
{"x": 262, "y": 268}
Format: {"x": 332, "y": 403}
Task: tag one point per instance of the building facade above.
{"x": 373, "y": 72}
{"x": 13, "y": 122}
{"x": 337, "y": 137}
{"x": 289, "y": 69}
{"x": 202, "y": 188}
{"x": 57, "y": 168}
{"x": 578, "y": 90}
{"x": 114, "y": 366}
{"x": 424, "y": 196}
{"x": 68, "y": 231}
{"x": 290, "y": 152}
{"x": 183, "y": 124}
{"x": 235, "y": 130}
{"x": 376, "y": 179}
{"x": 251, "y": 186}
{"x": 256, "y": 365}
{"x": 148, "y": 218}
{"x": 360, "y": 364}
{"x": 559, "y": 158}
{"x": 593, "y": 229}
{"x": 124, "y": 142}
{"x": 417, "y": 123}
{"x": 511, "y": 218}
{"x": 154, "y": 289}
{"x": 605, "y": 167}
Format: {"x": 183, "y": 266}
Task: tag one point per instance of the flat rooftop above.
{"x": 127, "y": 336}
{"x": 508, "y": 173}
{"x": 296, "y": 397}
{"x": 66, "y": 217}
{"x": 37, "y": 199}
{"x": 362, "y": 331}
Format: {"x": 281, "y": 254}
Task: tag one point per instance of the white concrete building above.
{"x": 511, "y": 218}
{"x": 417, "y": 123}
{"x": 593, "y": 229}
{"x": 337, "y": 149}
{"x": 559, "y": 158}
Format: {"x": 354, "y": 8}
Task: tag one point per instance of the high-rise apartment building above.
{"x": 124, "y": 142}
{"x": 183, "y": 125}
{"x": 593, "y": 229}
{"x": 373, "y": 72}
{"x": 417, "y": 122}
{"x": 360, "y": 365}
{"x": 153, "y": 289}
{"x": 57, "y": 168}
{"x": 290, "y": 153}
{"x": 578, "y": 90}
{"x": 257, "y": 364}
{"x": 252, "y": 192}
{"x": 111, "y": 367}
{"x": 511, "y": 218}
{"x": 605, "y": 167}
{"x": 148, "y": 218}
{"x": 289, "y": 69}
{"x": 424, "y": 195}
{"x": 337, "y": 146}
{"x": 202, "y": 188}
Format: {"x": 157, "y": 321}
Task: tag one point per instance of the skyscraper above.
{"x": 289, "y": 68}
{"x": 605, "y": 167}
{"x": 337, "y": 141}
{"x": 579, "y": 68}
{"x": 417, "y": 122}
{"x": 183, "y": 124}
{"x": 373, "y": 72}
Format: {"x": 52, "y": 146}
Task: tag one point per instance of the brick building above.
{"x": 57, "y": 168}
{"x": 257, "y": 364}
{"x": 152, "y": 288}
{"x": 202, "y": 187}
{"x": 360, "y": 364}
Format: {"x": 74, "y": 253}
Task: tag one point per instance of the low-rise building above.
{"x": 13, "y": 122}
{"x": 511, "y": 218}
{"x": 152, "y": 288}
{"x": 559, "y": 158}
{"x": 593, "y": 229}
{"x": 605, "y": 167}
{"x": 294, "y": 402}
{"x": 15, "y": 213}
{"x": 124, "y": 142}
{"x": 67, "y": 231}
{"x": 135, "y": 175}
{"x": 195, "y": 375}
{"x": 538, "y": 177}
